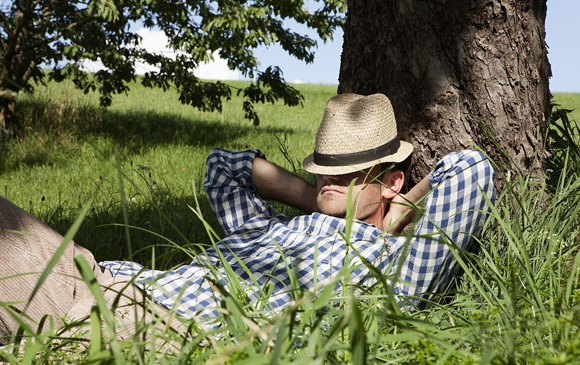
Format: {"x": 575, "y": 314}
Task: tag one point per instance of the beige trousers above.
{"x": 26, "y": 247}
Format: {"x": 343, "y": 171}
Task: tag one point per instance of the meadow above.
{"x": 73, "y": 147}
{"x": 140, "y": 164}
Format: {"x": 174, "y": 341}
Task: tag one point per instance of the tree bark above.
{"x": 16, "y": 69}
{"x": 7, "y": 115}
{"x": 452, "y": 70}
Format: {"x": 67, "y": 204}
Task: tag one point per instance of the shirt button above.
{"x": 308, "y": 232}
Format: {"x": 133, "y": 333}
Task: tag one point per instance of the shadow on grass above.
{"x": 50, "y": 131}
{"x": 165, "y": 229}
{"x": 166, "y": 224}
{"x": 143, "y": 130}
{"x": 51, "y": 134}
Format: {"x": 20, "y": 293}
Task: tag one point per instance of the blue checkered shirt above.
{"x": 286, "y": 256}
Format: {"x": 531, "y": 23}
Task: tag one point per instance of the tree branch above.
{"x": 28, "y": 72}
{"x": 23, "y": 15}
{"x": 8, "y": 94}
{"x": 59, "y": 34}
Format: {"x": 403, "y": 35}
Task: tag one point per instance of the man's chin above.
{"x": 332, "y": 212}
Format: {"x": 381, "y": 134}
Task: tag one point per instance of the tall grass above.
{"x": 518, "y": 300}
{"x": 71, "y": 144}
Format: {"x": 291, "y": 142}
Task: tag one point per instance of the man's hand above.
{"x": 274, "y": 182}
{"x": 404, "y": 207}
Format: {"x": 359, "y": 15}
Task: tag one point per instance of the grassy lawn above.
{"x": 570, "y": 101}
{"x": 143, "y": 159}
{"x": 160, "y": 146}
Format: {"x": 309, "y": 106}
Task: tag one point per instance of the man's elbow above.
{"x": 482, "y": 171}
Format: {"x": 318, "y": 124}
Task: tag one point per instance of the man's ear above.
{"x": 393, "y": 181}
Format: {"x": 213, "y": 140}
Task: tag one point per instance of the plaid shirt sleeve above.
{"x": 269, "y": 245}
{"x": 229, "y": 188}
{"x": 455, "y": 211}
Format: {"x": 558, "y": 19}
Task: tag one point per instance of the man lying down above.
{"x": 357, "y": 141}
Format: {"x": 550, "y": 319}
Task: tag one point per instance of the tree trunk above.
{"x": 7, "y": 117}
{"x": 18, "y": 65}
{"x": 452, "y": 70}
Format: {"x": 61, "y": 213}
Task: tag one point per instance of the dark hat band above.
{"x": 357, "y": 157}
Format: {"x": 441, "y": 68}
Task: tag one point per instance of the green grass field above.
{"x": 160, "y": 146}
{"x": 519, "y": 300}
{"x": 569, "y": 101}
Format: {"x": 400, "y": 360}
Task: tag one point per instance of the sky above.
{"x": 563, "y": 45}
{"x": 561, "y": 37}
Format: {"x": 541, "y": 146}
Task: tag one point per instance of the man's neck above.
{"x": 377, "y": 217}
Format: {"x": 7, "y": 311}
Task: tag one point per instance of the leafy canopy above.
{"x": 63, "y": 34}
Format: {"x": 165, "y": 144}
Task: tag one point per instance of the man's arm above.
{"x": 237, "y": 184}
{"x": 276, "y": 183}
{"x": 454, "y": 211}
{"x": 399, "y": 216}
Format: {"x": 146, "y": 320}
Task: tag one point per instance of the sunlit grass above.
{"x": 517, "y": 302}
{"x": 71, "y": 144}
{"x": 570, "y": 101}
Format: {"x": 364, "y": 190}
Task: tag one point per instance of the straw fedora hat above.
{"x": 357, "y": 132}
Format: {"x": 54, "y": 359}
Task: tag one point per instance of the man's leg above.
{"x": 26, "y": 247}
{"x": 133, "y": 310}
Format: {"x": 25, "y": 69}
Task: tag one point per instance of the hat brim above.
{"x": 402, "y": 153}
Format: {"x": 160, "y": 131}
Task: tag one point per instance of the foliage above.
{"x": 560, "y": 132}
{"x": 517, "y": 302}
{"x": 63, "y": 34}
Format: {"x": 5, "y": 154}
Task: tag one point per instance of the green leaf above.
{"x": 71, "y": 32}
